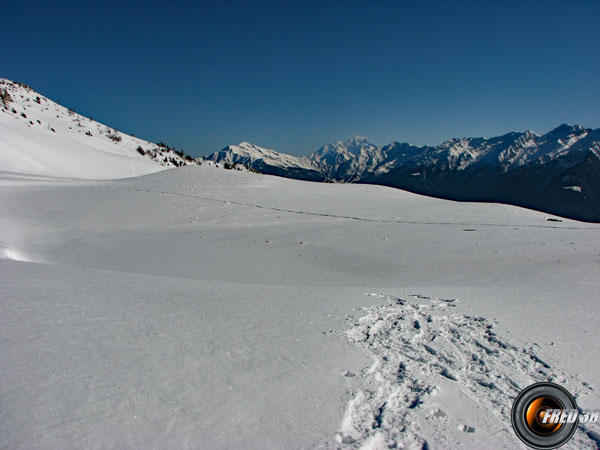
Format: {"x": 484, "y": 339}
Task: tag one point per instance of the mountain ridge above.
{"x": 556, "y": 172}
{"x": 41, "y": 137}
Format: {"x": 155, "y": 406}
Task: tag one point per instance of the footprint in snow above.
{"x": 433, "y": 372}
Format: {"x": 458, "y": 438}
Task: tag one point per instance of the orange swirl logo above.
{"x": 545, "y": 416}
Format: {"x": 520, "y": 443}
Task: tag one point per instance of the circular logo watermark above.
{"x": 545, "y": 416}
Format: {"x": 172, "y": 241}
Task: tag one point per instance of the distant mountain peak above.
{"x": 357, "y": 140}
{"x": 351, "y": 147}
{"x": 566, "y": 128}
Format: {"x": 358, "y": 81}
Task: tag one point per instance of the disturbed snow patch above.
{"x": 439, "y": 380}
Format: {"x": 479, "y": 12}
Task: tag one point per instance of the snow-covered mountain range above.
{"x": 558, "y": 172}
{"x": 41, "y": 137}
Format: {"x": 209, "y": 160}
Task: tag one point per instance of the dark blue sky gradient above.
{"x": 296, "y": 75}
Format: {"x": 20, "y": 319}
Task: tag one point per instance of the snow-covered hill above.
{"x": 216, "y": 309}
{"x": 39, "y": 136}
{"x": 558, "y": 172}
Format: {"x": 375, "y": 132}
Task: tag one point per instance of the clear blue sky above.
{"x": 296, "y": 75}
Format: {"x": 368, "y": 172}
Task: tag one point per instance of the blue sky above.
{"x": 296, "y": 75}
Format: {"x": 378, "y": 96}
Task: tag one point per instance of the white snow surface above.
{"x": 213, "y": 309}
{"x": 41, "y": 137}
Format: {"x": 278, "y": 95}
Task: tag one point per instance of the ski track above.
{"x": 337, "y": 216}
{"x": 438, "y": 379}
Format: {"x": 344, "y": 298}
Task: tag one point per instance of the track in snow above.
{"x": 440, "y": 380}
{"x": 338, "y": 216}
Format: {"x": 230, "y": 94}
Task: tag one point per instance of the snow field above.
{"x": 206, "y": 308}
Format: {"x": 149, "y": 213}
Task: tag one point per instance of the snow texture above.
{"x": 440, "y": 379}
{"x": 206, "y": 308}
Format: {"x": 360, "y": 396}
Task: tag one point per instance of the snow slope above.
{"x": 208, "y": 308}
{"x": 41, "y": 137}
